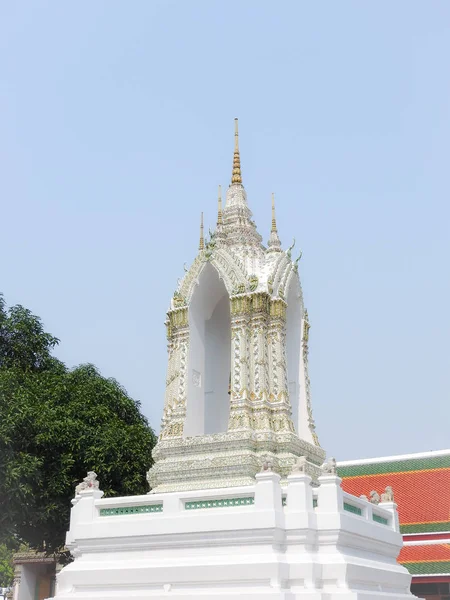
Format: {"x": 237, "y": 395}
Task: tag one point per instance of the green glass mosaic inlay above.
{"x": 428, "y": 568}
{"x": 220, "y": 503}
{"x": 353, "y": 509}
{"x": 131, "y": 510}
{"x": 314, "y": 502}
{"x": 284, "y": 500}
{"x": 425, "y": 527}
{"x": 379, "y": 519}
{"x": 397, "y": 466}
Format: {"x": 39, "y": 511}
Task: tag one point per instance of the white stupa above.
{"x": 241, "y": 504}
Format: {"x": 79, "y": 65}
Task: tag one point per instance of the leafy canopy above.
{"x": 55, "y": 425}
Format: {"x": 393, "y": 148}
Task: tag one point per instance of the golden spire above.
{"x": 274, "y": 222}
{"x": 236, "y": 176}
{"x": 219, "y": 210}
{"x": 201, "y": 245}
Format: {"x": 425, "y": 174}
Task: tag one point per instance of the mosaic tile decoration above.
{"x": 131, "y": 510}
{"x": 353, "y": 509}
{"x": 379, "y": 519}
{"x": 219, "y": 503}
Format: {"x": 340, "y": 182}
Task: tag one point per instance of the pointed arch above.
{"x": 208, "y": 401}
{"x": 228, "y": 269}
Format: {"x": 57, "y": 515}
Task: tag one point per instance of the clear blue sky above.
{"x": 116, "y": 125}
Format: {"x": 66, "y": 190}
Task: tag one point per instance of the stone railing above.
{"x": 364, "y": 509}
{"x": 267, "y": 494}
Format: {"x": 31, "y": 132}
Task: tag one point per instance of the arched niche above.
{"x": 294, "y": 360}
{"x": 208, "y": 402}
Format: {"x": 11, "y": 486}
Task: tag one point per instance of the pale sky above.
{"x": 116, "y": 126}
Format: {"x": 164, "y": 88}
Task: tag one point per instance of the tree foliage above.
{"x": 6, "y": 566}
{"x": 55, "y": 425}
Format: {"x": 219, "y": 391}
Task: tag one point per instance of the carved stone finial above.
{"x": 388, "y": 495}
{"x": 266, "y": 466}
{"x": 329, "y": 467}
{"x": 374, "y": 497}
{"x": 289, "y": 250}
{"x": 89, "y": 483}
{"x": 300, "y": 465}
{"x": 298, "y": 259}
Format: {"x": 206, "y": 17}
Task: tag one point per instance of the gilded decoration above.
{"x": 178, "y": 318}
{"x": 278, "y": 308}
{"x": 253, "y": 281}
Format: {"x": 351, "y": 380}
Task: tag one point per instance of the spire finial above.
{"x": 274, "y": 240}
{"x": 274, "y": 222}
{"x": 219, "y": 208}
{"x": 236, "y": 176}
{"x": 201, "y": 245}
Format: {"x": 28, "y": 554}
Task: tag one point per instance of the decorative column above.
{"x": 174, "y": 413}
{"x": 240, "y": 414}
{"x": 259, "y": 374}
{"x": 279, "y": 394}
{"x": 299, "y": 492}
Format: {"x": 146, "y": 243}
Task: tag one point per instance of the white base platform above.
{"x": 260, "y": 541}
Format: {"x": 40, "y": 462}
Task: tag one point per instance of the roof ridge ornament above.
{"x": 236, "y": 176}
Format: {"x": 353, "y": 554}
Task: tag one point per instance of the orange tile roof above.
{"x": 421, "y": 489}
{"x": 426, "y": 559}
{"x": 425, "y": 553}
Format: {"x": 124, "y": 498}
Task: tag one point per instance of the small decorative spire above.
{"x": 201, "y": 245}
{"x": 236, "y": 176}
{"x": 274, "y": 240}
{"x": 274, "y": 222}
{"x": 219, "y": 208}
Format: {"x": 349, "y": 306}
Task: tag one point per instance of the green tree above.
{"x": 55, "y": 425}
{"x": 6, "y": 566}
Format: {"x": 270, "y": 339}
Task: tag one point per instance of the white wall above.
{"x": 209, "y": 356}
{"x": 217, "y": 367}
{"x": 27, "y": 586}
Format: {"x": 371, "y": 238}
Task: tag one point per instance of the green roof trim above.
{"x": 428, "y": 568}
{"x": 395, "y": 466}
{"x": 425, "y": 527}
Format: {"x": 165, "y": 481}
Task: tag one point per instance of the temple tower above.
{"x": 237, "y": 388}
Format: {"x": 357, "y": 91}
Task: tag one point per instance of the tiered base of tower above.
{"x": 228, "y": 459}
{"x": 251, "y": 542}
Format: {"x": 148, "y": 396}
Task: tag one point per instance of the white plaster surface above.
{"x": 260, "y": 550}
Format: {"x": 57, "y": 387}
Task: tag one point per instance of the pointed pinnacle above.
{"x": 236, "y": 176}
